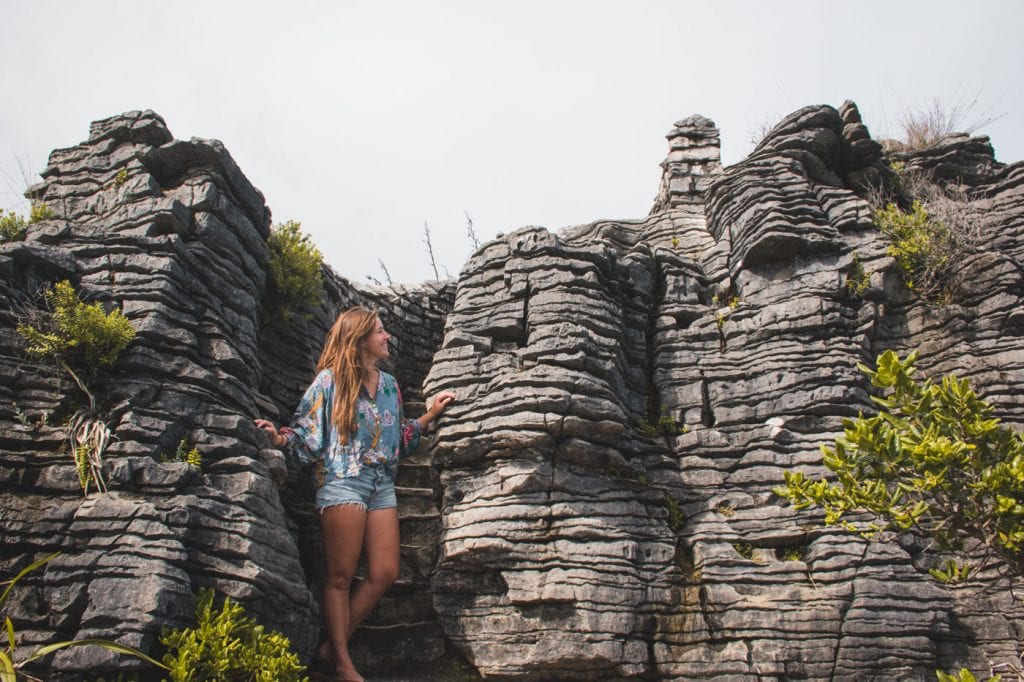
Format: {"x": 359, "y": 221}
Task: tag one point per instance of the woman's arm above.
{"x": 307, "y": 436}
{"x": 440, "y": 401}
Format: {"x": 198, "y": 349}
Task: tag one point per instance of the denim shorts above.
{"x": 373, "y": 488}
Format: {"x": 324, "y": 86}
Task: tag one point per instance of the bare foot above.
{"x": 346, "y": 674}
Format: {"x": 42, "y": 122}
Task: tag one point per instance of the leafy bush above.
{"x": 934, "y": 459}
{"x": 665, "y": 425}
{"x": 857, "y": 279}
{"x": 78, "y": 330}
{"x": 39, "y": 211}
{"x": 924, "y": 248}
{"x": 226, "y": 645}
{"x": 12, "y": 227}
{"x": 295, "y": 268}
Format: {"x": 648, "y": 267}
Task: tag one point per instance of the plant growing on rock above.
{"x": 186, "y": 454}
{"x": 226, "y": 645}
{"x": 933, "y": 460}
{"x": 924, "y": 248}
{"x": 857, "y": 279}
{"x": 296, "y": 269}
{"x": 932, "y": 227}
{"x": 83, "y": 336}
{"x": 14, "y": 226}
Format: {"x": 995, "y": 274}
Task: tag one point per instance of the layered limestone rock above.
{"x": 574, "y": 546}
{"x": 174, "y": 234}
{"x": 598, "y": 503}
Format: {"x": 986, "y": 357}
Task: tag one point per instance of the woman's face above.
{"x": 375, "y": 347}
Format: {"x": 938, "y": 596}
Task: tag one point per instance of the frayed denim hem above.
{"x": 324, "y": 508}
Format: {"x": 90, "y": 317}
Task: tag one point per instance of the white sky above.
{"x": 362, "y": 120}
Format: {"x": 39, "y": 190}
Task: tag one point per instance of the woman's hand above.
{"x": 277, "y": 439}
{"x": 437, "y": 405}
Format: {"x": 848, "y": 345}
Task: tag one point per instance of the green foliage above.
{"x": 963, "y": 675}
{"x": 9, "y": 669}
{"x": 80, "y": 333}
{"x": 744, "y": 549}
{"x": 226, "y": 645}
{"x": 676, "y": 517}
{"x": 78, "y": 330}
{"x": 934, "y": 460}
{"x": 184, "y": 453}
{"x": 12, "y": 227}
{"x": 665, "y": 425}
{"x": 857, "y": 280}
{"x": 794, "y": 553}
{"x": 295, "y": 269}
{"x": 88, "y": 437}
{"x": 39, "y": 211}
{"x": 923, "y": 247}
{"x": 121, "y": 177}
{"x": 953, "y": 572}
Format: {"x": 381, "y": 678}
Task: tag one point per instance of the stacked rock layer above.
{"x": 575, "y": 546}
{"x": 598, "y": 503}
{"x": 174, "y": 234}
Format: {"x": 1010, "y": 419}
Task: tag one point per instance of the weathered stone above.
{"x": 555, "y": 531}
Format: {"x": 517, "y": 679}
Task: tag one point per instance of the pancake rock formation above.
{"x": 547, "y": 535}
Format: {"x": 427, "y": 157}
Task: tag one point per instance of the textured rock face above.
{"x": 575, "y": 547}
{"x": 175, "y": 234}
{"x": 547, "y": 535}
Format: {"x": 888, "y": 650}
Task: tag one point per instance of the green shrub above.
{"x": 857, "y": 279}
{"x": 296, "y": 274}
{"x": 39, "y": 211}
{"x": 924, "y": 248}
{"x": 934, "y": 460}
{"x": 78, "y": 330}
{"x": 80, "y": 333}
{"x": 964, "y": 675}
{"x": 665, "y": 425}
{"x": 12, "y": 227}
{"x": 226, "y": 645}
{"x": 676, "y": 517}
{"x": 745, "y": 550}
{"x": 184, "y": 453}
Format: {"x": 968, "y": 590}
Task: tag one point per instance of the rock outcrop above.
{"x": 547, "y": 534}
{"x": 576, "y": 547}
{"x": 174, "y": 234}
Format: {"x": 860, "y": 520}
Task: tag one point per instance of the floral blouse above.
{"x": 382, "y": 436}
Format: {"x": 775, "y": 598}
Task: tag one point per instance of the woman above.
{"x": 351, "y": 421}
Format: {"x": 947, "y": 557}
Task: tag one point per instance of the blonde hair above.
{"x": 342, "y": 355}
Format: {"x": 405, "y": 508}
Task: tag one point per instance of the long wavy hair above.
{"x": 342, "y": 355}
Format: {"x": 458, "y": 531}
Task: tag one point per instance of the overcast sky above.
{"x": 363, "y": 120}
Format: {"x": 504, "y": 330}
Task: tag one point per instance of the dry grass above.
{"x": 924, "y": 127}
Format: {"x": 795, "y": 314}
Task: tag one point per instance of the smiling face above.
{"x": 375, "y": 347}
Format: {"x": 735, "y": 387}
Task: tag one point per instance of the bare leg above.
{"x": 381, "y": 545}
{"x": 343, "y": 528}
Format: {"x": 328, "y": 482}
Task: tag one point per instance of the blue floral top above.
{"x": 383, "y": 435}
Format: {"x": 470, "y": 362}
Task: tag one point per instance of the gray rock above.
{"x": 549, "y": 533}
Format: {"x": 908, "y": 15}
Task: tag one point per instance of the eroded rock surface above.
{"x": 554, "y": 531}
{"x": 576, "y": 547}
{"x": 174, "y": 233}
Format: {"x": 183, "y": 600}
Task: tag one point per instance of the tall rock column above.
{"x": 693, "y": 160}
